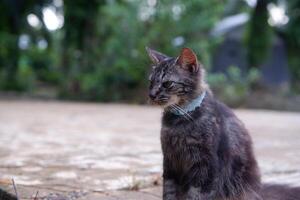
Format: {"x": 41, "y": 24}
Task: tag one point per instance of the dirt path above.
{"x": 91, "y": 151}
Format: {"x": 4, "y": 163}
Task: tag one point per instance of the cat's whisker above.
{"x": 177, "y": 109}
{"x": 185, "y": 114}
{"x": 173, "y": 107}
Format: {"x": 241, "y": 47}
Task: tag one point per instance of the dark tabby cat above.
{"x": 207, "y": 152}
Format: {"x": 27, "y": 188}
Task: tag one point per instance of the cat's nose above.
{"x": 152, "y": 96}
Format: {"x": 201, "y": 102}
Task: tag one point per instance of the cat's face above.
{"x": 173, "y": 80}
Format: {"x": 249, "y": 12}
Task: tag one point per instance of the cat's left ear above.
{"x": 188, "y": 60}
{"x": 155, "y": 56}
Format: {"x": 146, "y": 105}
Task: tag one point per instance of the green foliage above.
{"x": 13, "y": 22}
{"x": 116, "y": 59}
{"x": 25, "y": 77}
{"x": 99, "y": 54}
{"x": 234, "y": 87}
{"x": 42, "y": 62}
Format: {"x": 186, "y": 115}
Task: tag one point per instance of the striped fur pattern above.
{"x": 207, "y": 153}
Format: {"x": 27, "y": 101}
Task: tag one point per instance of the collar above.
{"x": 191, "y": 106}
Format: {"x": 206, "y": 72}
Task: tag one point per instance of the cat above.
{"x": 207, "y": 151}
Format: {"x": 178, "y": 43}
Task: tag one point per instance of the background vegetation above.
{"x": 96, "y": 48}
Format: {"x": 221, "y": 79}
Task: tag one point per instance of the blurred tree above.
{"x": 80, "y": 42}
{"x": 13, "y": 23}
{"x": 105, "y": 42}
{"x": 10, "y": 26}
{"x": 291, "y": 34}
{"x": 259, "y": 34}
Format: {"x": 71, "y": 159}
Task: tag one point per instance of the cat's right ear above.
{"x": 155, "y": 56}
{"x": 188, "y": 60}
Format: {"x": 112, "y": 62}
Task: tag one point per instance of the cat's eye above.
{"x": 168, "y": 84}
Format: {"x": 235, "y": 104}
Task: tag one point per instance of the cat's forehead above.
{"x": 164, "y": 70}
{"x": 165, "y": 65}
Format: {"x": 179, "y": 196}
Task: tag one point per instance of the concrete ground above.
{"x": 91, "y": 151}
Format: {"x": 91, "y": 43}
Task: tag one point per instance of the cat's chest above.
{"x": 181, "y": 146}
{"x": 184, "y": 136}
{"x": 180, "y": 139}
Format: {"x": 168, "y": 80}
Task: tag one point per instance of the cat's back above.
{"x": 231, "y": 125}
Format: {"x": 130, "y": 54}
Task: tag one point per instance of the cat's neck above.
{"x": 189, "y": 107}
{"x": 202, "y": 88}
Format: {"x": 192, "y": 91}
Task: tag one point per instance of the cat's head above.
{"x": 175, "y": 80}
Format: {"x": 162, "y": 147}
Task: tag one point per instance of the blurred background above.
{"x": 95, "y": 50}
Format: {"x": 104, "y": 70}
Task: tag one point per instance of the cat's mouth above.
{"x": 165, "y": 101}
{"x": 160, "y": 102}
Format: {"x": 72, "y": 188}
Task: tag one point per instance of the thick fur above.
{"x": 207, "y": 153}
{"x": 210, "y": 157}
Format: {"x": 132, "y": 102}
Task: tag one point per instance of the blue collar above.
{"x": 191, "y": 106}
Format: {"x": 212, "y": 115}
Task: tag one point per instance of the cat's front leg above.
{"x": 169, "y": 190}
{"x": 194, "y": 193}
{"x": 200, "y": 181}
